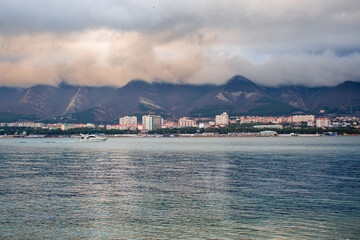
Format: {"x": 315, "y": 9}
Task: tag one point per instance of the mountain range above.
{"x": 239, "y": 95}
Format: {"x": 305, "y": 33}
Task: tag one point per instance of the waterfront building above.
{"x": 127, "y": 121}
{"x": 110, "y": 127}
{"x": 65, "y": 126}
{"x": 204, "y": 125}
{"x": 169, "y": 124}
{"x": 23, "y": 124}
{"x": 187, "y": 122}
{"x": 31, "y": 124}
{"x": 151, "y": 122}
{"x": 322, "y": 122}
{"x": 88, "y": 125}
{"x": 269, "y": 126}
{"x": 302, "y": 118}
{"x": 281, "y": 120}
{"x": 268, "y": 133}
{"x": 54, "y": 126}
{"x": 222, "y": 119}
{"x": 257, "y": 119}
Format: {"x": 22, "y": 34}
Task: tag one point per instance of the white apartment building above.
{"x": 303, "y": 118}
{"x": 186, "y": 122}
{"x": 127, "y": 121}
{"x": 65, "y": 127}
{"x": 322, "y": 122}
{"x": 277, "y": 126}
{"x": 89, "y": 125}
{"x": 204, "y": 125}
{"x": 222, "y": 119}
{"x": 151, "y": 122}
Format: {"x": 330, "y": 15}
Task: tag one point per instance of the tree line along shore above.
{"x": 232, "y": 128}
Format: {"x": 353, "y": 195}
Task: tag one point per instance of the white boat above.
{"x": 92, "y": 138}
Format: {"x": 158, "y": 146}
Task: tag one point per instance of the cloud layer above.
{"x": 112, "y": 42}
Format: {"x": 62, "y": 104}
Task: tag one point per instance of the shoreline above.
{"x": 177, "y": 136}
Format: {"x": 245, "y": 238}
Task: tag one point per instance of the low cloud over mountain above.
{"x": 237, "y": 96}
{"x": 109, "y": 43}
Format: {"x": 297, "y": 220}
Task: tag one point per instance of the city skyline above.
{"x": 153, "y": 122}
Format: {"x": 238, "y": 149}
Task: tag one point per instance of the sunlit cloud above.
{"x": 110, "y": 43}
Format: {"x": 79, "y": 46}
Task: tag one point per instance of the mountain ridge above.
{"x": 239, "y": 95}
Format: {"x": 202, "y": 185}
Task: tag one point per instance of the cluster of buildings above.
{"x": 153, "y": 122}
{"x": 308, "y": 120}
{"x": 62, "y": 126}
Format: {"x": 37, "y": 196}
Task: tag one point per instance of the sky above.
{"x": 111, "y": 42}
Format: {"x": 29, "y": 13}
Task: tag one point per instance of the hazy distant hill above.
{"x": 106, "y": 104}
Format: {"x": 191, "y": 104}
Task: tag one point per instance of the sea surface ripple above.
{"x": 180, "y": 188}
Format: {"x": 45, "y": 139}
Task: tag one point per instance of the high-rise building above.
{"x": 322, "y": 122}
{"x": 303, "y": 118}
{"x": 222, "y": 119}
{"x": 187, "y": 122}
{"x": 151, "y": 122}
{"x": 127, "y": 121}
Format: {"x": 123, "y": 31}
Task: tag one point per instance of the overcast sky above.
{"x": 110, "y": 42}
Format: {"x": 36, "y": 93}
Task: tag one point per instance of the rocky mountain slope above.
{"x": 106, "y": 104}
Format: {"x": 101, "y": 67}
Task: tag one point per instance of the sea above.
{"x": 180, "y": 188}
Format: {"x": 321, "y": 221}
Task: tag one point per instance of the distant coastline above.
{"x": 179, "y": 136}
